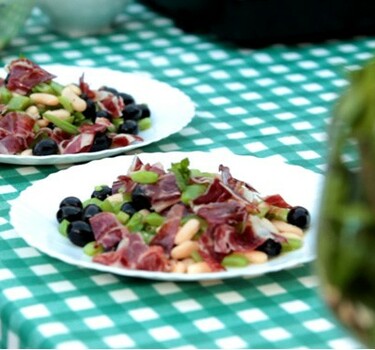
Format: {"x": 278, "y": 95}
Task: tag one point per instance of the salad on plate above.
{"x": 180, "y": 220}
{"x": 41, "y": 117}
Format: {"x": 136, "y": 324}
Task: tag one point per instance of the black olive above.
{"x": 128, "y": 208}
{"x": 89, "y": 211}
{"x": 128, "y": 127}
{"x": 101, "y": 142}
{"x": 132, "y": 112}
{"x": 45, "y": 147}
{"x": 128, "y": 99}
{"x": 270, "y": 247}
{"x": 69, "y": 213}
{"x": 71, "y": 201}
{"x": 80, "y": 233}
{"x": 102, "y": 193}
{"x": 299, "y": 216}
{"x": 139, "y": 199}
{"x": 90, "y": 111}
{"x": 103, "y": 114}
{"x": 145, "y": 111}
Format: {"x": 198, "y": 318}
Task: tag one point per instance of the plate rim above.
{"x": 167, "y": 276}
{"x": 190, "y": 112}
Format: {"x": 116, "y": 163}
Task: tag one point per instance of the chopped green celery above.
{"x": 122, "y": 217}
{"x": 56, "y": 87}
{"x": 65, "y": 102}
{"x": 135, "y": 223}
{"x": 196, "y": 256}
{"x": 291, "y": 244}
{"x": 96, "y": 201}
{"x": 93, "y": 248}
{"x": 63, "y": 227}
{"x": 144, "y": 177}
{"x": 18, "y": 103}
{"x": 144, "y": 124}
{"x": 106, "y": 206}
{"x": 62, "y": 124}
{"x": 263, "y": 208}
{"x": 182, "y": 173}
{"x": 235, "y": 260}
{"x": 191, "y": 192}
{"x": 44, "y": 88}
{"x": 5, "y": 95}
{"x": 154, "y": 219}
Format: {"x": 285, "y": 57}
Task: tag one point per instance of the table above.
{"x": 270, "y": 102}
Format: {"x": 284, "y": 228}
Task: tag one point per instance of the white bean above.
{"x": 256, "y": 256}
{"x": 184, "y": 250}
{"x": 283, "y": 226}
{"x": 44, "y": 99}
{"x": 179, "y": 267}
{"x": 59, "y": 113}
{"x": 199, "y": 267}
{"x": 33, "y": 112}
{"x": 187, "y": 231}
{"x": 78, "y": 103}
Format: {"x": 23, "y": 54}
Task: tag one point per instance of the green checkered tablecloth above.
{"x": 270, "y": 102}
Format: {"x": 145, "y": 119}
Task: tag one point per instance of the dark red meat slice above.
{"x": 164, "y": 194}
{"x": 134, "y": 253}
{"x": 167, "y": 233}
{"x": 16, "y": 132}
{"x": 85, "y": 88}
{"x": 216, "y": 192}
{"x": 110, "y": 102}
{"x": 77, "y": 144}
{"x": 108, "y": 231}
{"x": 230, "y": 212}
{"x": 122, "y": 140}
{"x": 24, "y": 75}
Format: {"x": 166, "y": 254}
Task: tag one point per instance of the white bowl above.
{"x": 80, "y": 18}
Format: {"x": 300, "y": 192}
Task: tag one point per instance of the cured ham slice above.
{"x": 24, "y": 75}
{"x": 16, "y": 132}
{"x": 134, "y": 253}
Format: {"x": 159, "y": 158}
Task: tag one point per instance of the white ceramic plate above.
{"x": 33, "y": 212}
{"x": 171, "y": 110}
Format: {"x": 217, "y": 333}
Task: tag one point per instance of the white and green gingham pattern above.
{"x": 271, "y": 102}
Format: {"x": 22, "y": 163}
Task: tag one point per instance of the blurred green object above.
{"x": 13, "y": 15}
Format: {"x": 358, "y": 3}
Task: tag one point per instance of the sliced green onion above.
{"x": 93, "y": 248}
{"x": 235, "y": 260}
{"x": 291, "y": 244}
{"x": 63, "y": 227}
{"x": 62, "y": 124}
{"x": 191, "y": 192}
{"x": 122, "y": 217}
{"x": 144, "y": 124}
{"x": 144, "y": 177}
{"x": 5, "y": 95}
{"x": 135, "y": 223}
{"x": 154, "y": 219}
